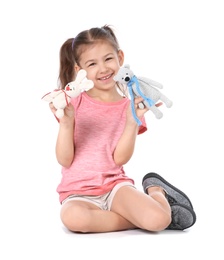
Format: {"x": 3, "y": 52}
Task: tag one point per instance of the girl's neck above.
{"x": 104, "y": 95}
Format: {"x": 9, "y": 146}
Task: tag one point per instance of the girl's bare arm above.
{"x": 126, "y": 144}
{"x": 65, "y": 140}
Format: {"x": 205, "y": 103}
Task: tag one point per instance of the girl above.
{"x": 96, "y": 138}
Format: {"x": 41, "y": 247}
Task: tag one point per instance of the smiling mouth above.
{"x": 107, "y": 77}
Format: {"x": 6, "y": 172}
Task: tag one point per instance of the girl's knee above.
{"x": 75, "y": 219}
{"x": 156, "y": 222}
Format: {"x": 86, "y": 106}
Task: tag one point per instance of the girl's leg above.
{"x": 85, "y": 217}
{"x": 150, "y": 212}
{"x": 183, "y": 214}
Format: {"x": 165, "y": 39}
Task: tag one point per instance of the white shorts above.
{"x": 104, "y": 201}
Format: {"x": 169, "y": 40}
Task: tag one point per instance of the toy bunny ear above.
{"x": 81, "y": 75}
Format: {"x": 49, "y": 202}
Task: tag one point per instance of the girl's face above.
{"x": 101, "y": 63}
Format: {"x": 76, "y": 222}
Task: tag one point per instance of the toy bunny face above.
{"x": 69, "y": 87}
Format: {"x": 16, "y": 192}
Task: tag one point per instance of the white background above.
{"x": 178, "y": 43}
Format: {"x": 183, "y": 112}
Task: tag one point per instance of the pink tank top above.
{"x": 98, "y": 127}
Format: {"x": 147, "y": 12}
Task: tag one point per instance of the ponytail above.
{"x": 67, "y": 63}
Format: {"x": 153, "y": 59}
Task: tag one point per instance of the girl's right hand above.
{"x": 68, "y": 113}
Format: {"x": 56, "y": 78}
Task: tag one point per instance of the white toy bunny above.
{"x": 60, "y": 98}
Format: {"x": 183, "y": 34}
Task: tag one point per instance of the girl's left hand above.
{"x": 140, "y": 111}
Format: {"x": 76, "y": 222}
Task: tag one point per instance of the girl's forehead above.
{"x": 99, "y": 46}
{"x": 95, "y": 50}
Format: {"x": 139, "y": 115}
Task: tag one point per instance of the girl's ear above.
{"x": 76, "y": 68}
{"x": 121, "y": 57}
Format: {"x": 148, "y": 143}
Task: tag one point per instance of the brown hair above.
{"x": 72, "y": 49}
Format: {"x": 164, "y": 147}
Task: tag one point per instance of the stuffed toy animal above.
{"x": 142, "y": 87}
{"x": 61, "y": 97}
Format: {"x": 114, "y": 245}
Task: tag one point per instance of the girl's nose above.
{"x": 103, "y": 67}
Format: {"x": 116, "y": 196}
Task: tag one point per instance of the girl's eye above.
{"x": 109, "y": 58}
{"x": 91, "y": 64}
